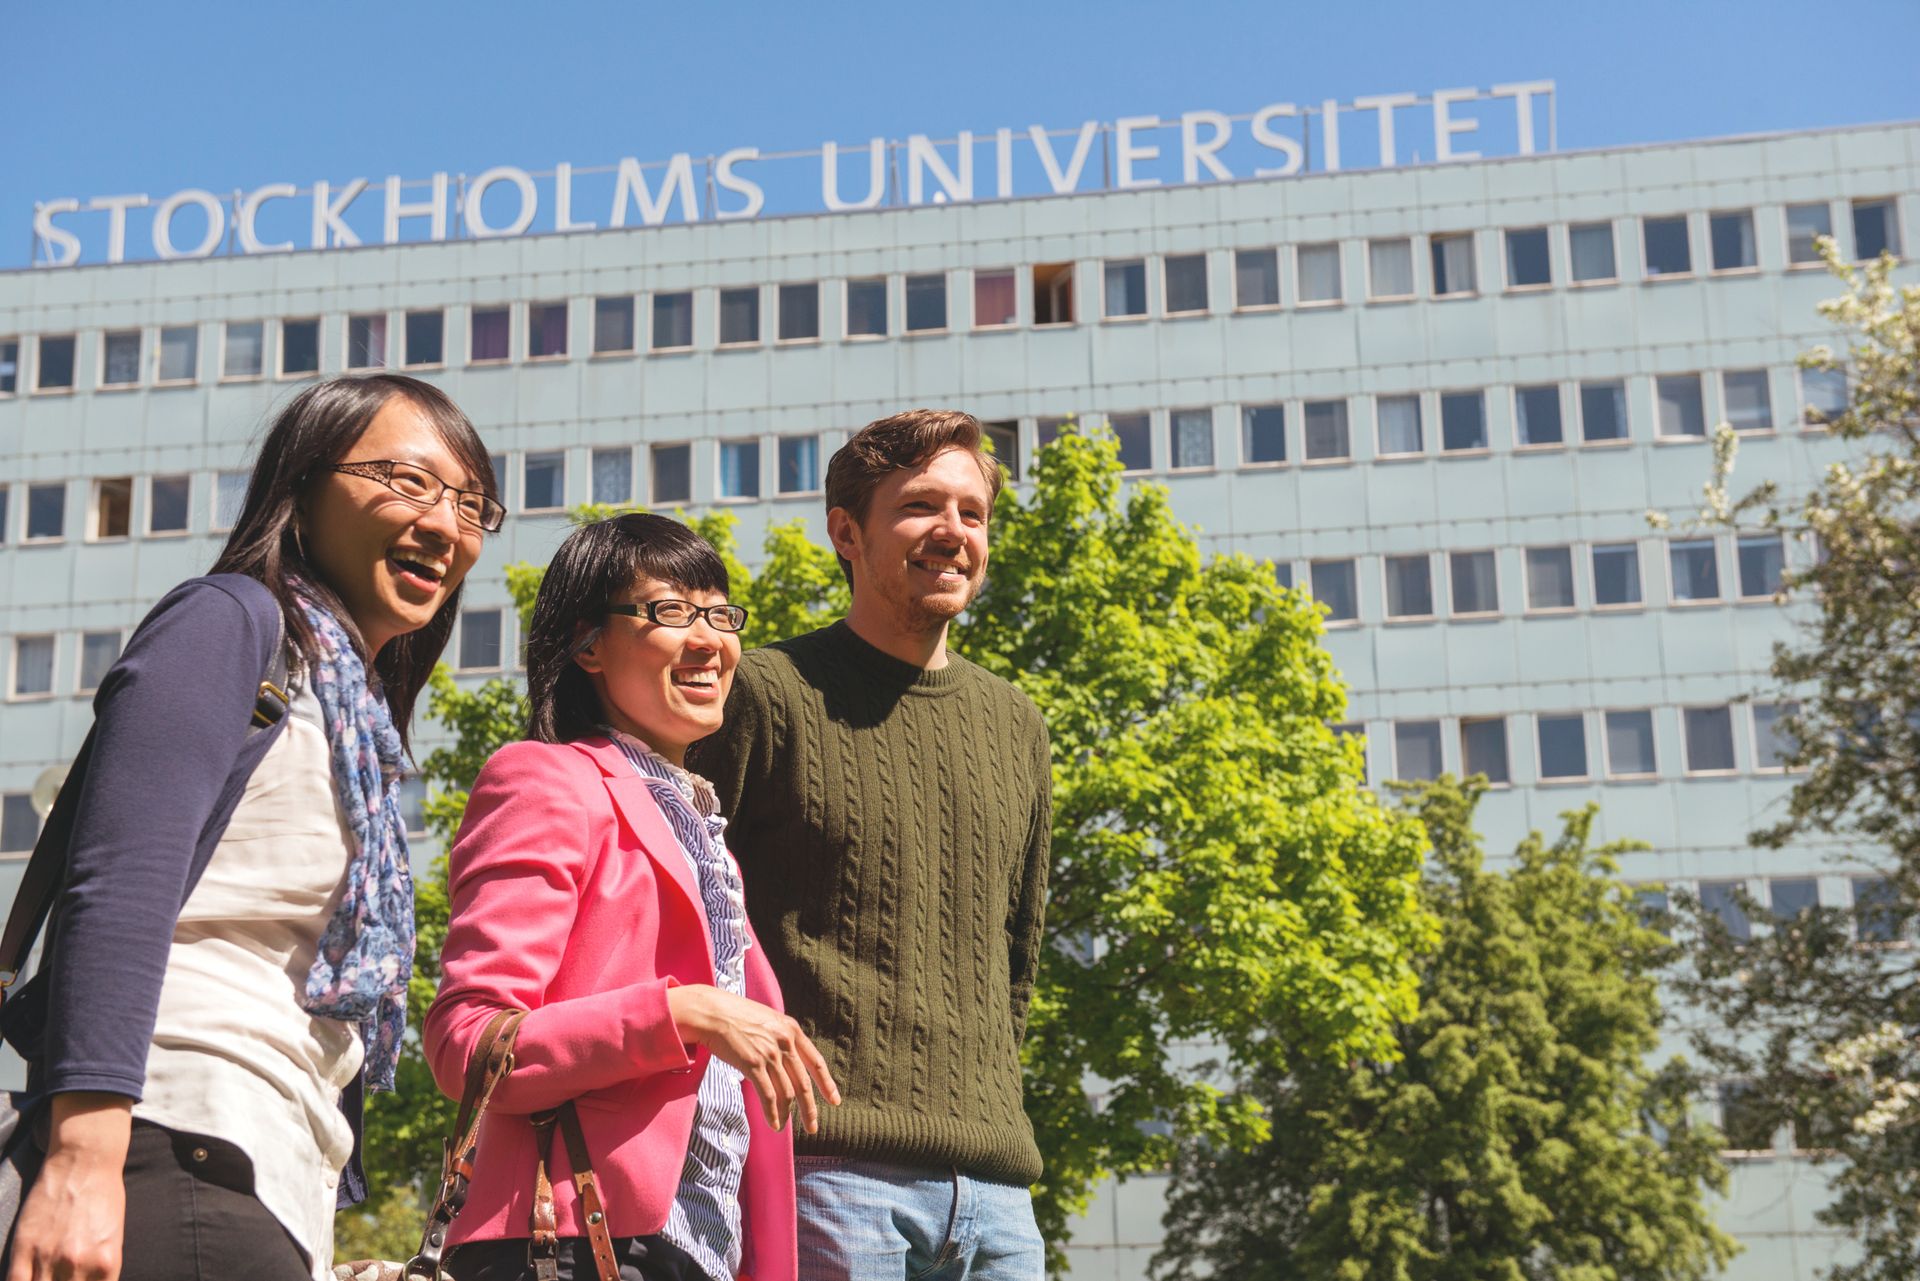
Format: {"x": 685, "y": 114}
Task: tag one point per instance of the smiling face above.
{"x": 921, "y": 550}
{"x": 392, "y": 564}
{"x": 666, "y": 686}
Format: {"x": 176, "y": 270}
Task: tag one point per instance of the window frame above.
{"x": 27, "y": 537}
{"x": 1506, "y": 748}
{"x": 779, "y": 311}
{"x": 280, "y": 371}
{"x": 1606, "y": 745}
{"x": 1345, "y": 459}
{"x": 159, "y": 350}
{"x": 1286, "y": 458}
{"x": 1753, "y": 230}
{"x": 595, "y": 351}
{"x": 654, "y": 346}
{"x": 1173, "y": 441}
{"x": 72, "y": 385}
{"x": 720, "y": 341}
{"x": 1380, "y": 451}
{"x": 1481, "y": 450}
{"x": 1625, "y": 402}
{"x": 226, "y": 343}
{"x": 19, "y": 345}
{"x": 653, "y": 473}
{"x": 946, "y": 304}
{"x": 1660, "y": 433}
{"x": 1435, "y": 242}
{"x": 441, "y": 363}
{"x": 1353, "y": 578}
{"x": 139, "y": 360}
{"x": 973, "y": 298}
{"x": 1895, "y": 246}
{"x": 1413, "y": 270}
{"x": 720, "y": 444}
{"x": 1541, "y": 777}
{"x": 1639, "y": 574}
{"x": 1453, "y": 608}
{"x": 505, "y": 639}
{"x": 1686, "y": 742}
{"x": 386, "y": 341}
{"x": 819, "y": 473}
{"x": 148, "y": 531}
{"x": 1647, "y": 274}
{"x": 95, "y": 485}
{"x": 846, "y": 308}
{"x": 1560, "y": 406}
{"x": 1387, "y": 615}
{"x": 1439, "y": 744}
{"x": 80, "y": 655}
{"x": 13, "y": 667}
{"x": 1753, "y": 729}
{"x": 526, "y": 456}
{"x": 1530, "y": 609}
{"x": 1145, "y": 417}
{"x": 213, "y": 498}
{"x": 1062, "y": 271}
{"x": 1674, "y": 600}
{"x": 566, "y": 324}
{"x": 1805, "y": 404}
{"x": 1726, "y": 400}
{"x": 1146, "y": 291}
{"x": 1545, "y": 231}
{"x": 1300, "y": 300}
{"x": 1575, "y": 281}
{"x": 1740, "y": 596}
{"x": 1279, "y": 292}
{"x": 1814, "y": 263}
{"x": 594, "y": 455}
{"x": 1206, "y": 285}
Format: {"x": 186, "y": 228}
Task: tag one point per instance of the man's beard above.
{"x": 921, "y": 616}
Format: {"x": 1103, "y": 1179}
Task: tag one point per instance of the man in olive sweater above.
{"x": 890, "y": 805}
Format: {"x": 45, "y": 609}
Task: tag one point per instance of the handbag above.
{"x": 22, "y": 1123}
{"x": 490, "y": 1063}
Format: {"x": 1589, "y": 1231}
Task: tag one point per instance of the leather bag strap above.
{"x": 490, "y": 1063}
{"x": 543, "y": 1249}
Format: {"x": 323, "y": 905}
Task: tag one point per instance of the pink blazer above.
{"x": 572, "y": 900}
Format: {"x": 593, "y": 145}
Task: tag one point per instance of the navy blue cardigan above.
{"x": 171, "y": 757}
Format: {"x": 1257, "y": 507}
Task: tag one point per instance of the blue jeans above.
{"x": 872, "y": 1221}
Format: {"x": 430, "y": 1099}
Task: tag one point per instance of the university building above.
{"x": 1441, "y": 398}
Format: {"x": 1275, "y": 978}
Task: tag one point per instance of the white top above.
{"x": 233, "y": 1055}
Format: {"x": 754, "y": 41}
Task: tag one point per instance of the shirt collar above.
{"x": 689, "y": 784}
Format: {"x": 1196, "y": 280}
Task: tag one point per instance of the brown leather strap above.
{"x": 543, "y": 1249}
{"x": 543, "y": 1244}
{"x": 487, "y": 1066}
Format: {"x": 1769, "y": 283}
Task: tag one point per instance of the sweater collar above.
{"x": 883, "y": 669}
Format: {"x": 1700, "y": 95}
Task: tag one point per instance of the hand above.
{"x": 768, "y": 1047}
{"x": 70, "y": 1227}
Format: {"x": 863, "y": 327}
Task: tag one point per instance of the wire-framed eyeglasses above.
{"x": 681, "y": 613}
{"x": 423, "y": 489}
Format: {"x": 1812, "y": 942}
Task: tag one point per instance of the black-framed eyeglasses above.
{"x": 681, "y": 613}
{"x": 423, "y": 489}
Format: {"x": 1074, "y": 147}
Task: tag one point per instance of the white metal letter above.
{"x": 1384, "y": 105}
{"x": 1445, "y": 126}
{"x": 328, "y": 229}
{"x": 476, "y": 192}
{"x": 434, "y": 207}
{"x": 1003, "y": 162}
{"x": 830, "y": 176}
{"x": 922, "y": 156}
{"x": 724, "y": 175}
{"x": 66, "y": 243}
{"x": 1330, "y": 134}
{"x": 563, "y": 200}
{"x": 117, "y": 222}
{"x": 1523, "y": 96}
{"x": 1126, "y": 151}
{"x": 1195, "y": 153}
{"x": 1267, "y": 136}
{"x": 250, "y": 210}
{"x": 163, "y": 223}
{"x": 1062, "y": 183}
{"x": 632, "y": 184}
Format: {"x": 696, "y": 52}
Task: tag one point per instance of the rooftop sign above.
{"x": 1279, "y": 140}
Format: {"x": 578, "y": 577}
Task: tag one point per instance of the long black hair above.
{"x": 596, "y": 564}
{"x": 318, "y": 427}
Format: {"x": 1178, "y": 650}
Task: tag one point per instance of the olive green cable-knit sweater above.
{"x": 892, "y": 826}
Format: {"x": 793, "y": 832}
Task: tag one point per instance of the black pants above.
{"x": 192, "y": 1214}
{"x": 648, "y": 1258}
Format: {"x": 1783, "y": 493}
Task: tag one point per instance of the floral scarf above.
{"x": 365, "y": 959}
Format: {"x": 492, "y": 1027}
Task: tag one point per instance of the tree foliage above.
{"x": 1516, "y": 1132}
{"x": 1821, "y": 1027}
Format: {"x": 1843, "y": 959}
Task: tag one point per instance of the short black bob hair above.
{"x": 594, "y": 568}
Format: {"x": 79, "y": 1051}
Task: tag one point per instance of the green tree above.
{"x": 1812, "y": 1013}
{"x": 1518, "y": 1132}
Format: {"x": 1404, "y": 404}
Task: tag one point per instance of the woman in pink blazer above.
{"x": 591, "y": 887}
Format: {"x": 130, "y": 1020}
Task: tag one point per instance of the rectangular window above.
{"x": 1748, "y": 405}
{"x": 671, "y": 469}
{"x": 1773, "y": 746}
{"x": 1416, "y": 750}
{"x": 54, "y": 371}
{"x": 995, "y": 304}
{"x": 1682, "y": 413}
{"x": 229, "y": 495}
{"x": 1336, "y": 586}
{"x": 98, "y": 651}
{"x": 46, "y": 512}
{"x": 179, "y": 355}
{"x": 112, "y": 507}
{"x": 243, "y": 354}
{"x": 1463, "y": 421}
{"x": 169, "y": 499}
{"x": 299, "y": 347}
{"x": 1326, "y": 429}
{"x": 1696, "y": 575}
{"x": 1630, "y": 745}
{"x": 367, "y": 341}
{"x": 1823, "y": 396}
{"x": 1805, "y": 224}
{"x": 1483, "y": 749}
{"x": 1047, "y": 430}
{"x": 672, "y": 321}
{"x": 1136, "y": 440}
{"x": 1876, "y": 229}
{"x": 1876, "y": 910}
{"x": 480, "y": 637}
{"x": 1184, "y": 277}
{"x": 9, "y": 366}
{"x": 1536, "y": 414}
{"x": 799, "y": 304}
{"x": 1731, "y": 237}
{"x": 613, "y": 328}
{"x": 19, "y": 824}
{"x": 1603, "y": 411}
{"x": 800, "y": 464}
{"x": 1409, "y": 586}
{"x": 926, "y": 303}
{"x": 413, "y": 804}
{"x": 1665, "y": 243}
{"x": 1398, "y": 425}
{"x": 1283, "y": 574}
{"x": 1563, "y": 746}
{"x": 1529, "y": 266}
{"x": 1389, "y": 269}
{"x": 1616, "y": 575}
{"x": 1549, "y": 578}
{"x": 1709, "y": 733}
{"x": 498, "y": 462}
{"x": 867, "y": 308}
{"x": 6, "y": 530}
{"x": 1053, "y": 293}
{"x": 543, "y": 481}
{"x": 1722, "y": 898}
{"x": 1318, "y": 267}
{"x": 1762, "y": 562}
{"x": 1476, "y": 584}
{"x": 492, "y": 335}
{"x": 739, "y": 469}
{"x": 547, "y": 331}
{"x": 1453, "y": 273}
{"x": 1256, "y": 278}
{"x": 1190, "y": 433}
{"x": 1590, "y": 245}
{"x": 740, "y": 316}
{"x": 424, "y": 336}
{"x": 1005, "y": 439}
{"x": 1263, "y": 431}
{"x": 32, "y": 666}
{"x": 1793, "y": 896}
{"x": 612, "y": 476}
{"x": 120, "y": 358}
{"x": 1126, "y": 288}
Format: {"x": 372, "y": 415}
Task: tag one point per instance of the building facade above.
{"x": 1440, "y": 398}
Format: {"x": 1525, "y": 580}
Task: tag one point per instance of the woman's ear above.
{"x": 586, "y": 648}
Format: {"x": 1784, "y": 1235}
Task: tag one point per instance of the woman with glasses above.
{"x": 229, "y": 957}
{"x": 592, "y": 888}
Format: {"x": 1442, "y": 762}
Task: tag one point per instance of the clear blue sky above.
{"x": 106, "y": 98}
